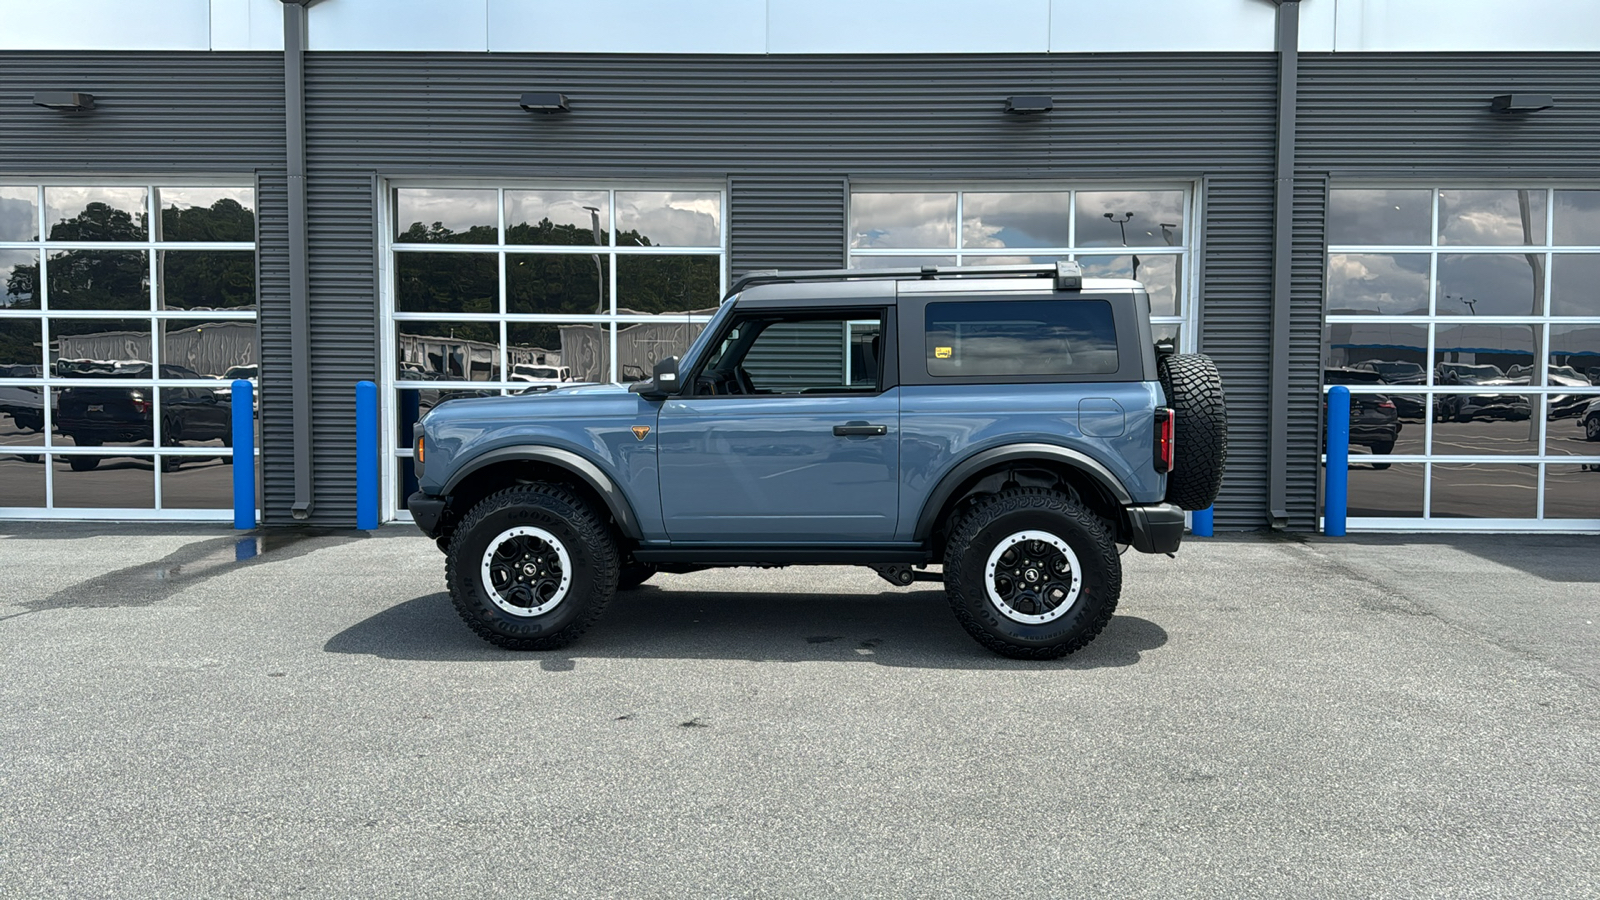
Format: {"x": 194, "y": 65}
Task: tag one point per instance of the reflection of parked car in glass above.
{"x": 92, "y": 416}
{"x": 1466, "y": 407}
{"x": 1563, "y": 406}
{"x": 1591, "y": 421}
{"x": 1374, "y": 420}
{"x": 540, "y": 374}
{"x": 1410, "y": 406}
{"x": 22, "y": 401}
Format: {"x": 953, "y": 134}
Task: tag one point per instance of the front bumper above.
{"x": 1155, "y": 529}
{"x": 427, "y": 511}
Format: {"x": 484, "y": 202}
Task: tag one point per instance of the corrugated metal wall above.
{"x": 787, "y": 134}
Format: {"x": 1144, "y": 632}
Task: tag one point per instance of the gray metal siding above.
{"x": 787, "y": 134}
{"x": 1306, "y": 266}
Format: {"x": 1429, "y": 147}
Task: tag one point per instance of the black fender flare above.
{"x": 983, "y": 459}
{"x": 591, "y": 473}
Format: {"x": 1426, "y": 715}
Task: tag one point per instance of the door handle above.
{"x": 859, "y": 429}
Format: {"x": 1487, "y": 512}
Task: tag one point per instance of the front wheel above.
{"x": 1031, "y": 573}
{"x": 531, "y": 567}
{"x": 1591, "y": 428}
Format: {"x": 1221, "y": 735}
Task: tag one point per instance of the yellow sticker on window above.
{"x": 941, "y": 353}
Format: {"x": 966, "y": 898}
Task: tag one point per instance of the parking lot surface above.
{"x": 1387, "y": 716}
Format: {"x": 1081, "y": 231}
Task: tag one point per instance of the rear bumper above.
{"x": 1155, "y": 529}
{"x": 427, "y": 511}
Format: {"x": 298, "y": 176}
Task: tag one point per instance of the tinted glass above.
{"x": 1577, "y": 218}
{"x": 1489, "y": 285}
{"x": 558, "y": 217}
{"x": 19, "y": 279}
{"x": 96, "y": 214}
{"x": 909, "y": 221}
{"x": 20, "y": 346}
{"x": 224, "y": 350}
{"x": 1572, "y": 492}
{"x": 899, "y": 262}
{"x": 669, "y": 219}
{"x": 1485, "y": 424}
{"x": 99, "y": 279}
{"x": 19, "y": 213}
{"x": 1103, "y": 219}
{"x": 1021, "y": 337}
{"x": 1159, "y": 274}
{"x": 1575, "y": 284}
{"x": 100, "y": 348}
{"x": 1494, "y": 217}
{"x": 1036, "y": 219}
{"x": 1399, "y": 217}
{"x": 545, "y": 283}
{"x": 196, "y": 482}
{"x": 1368, "y": 283}
{"x": 640, "y": 346}
{"x": 207, "y": 214}
{"x": 21, "y": 478}
{"x": 124, "y": 482}
{"x": 447, "y": 351}
{"x": 447, "y": 282}
{"x": 1577, "y": 347}
{"x": 206, "y": 279}
{"x": 436, "y": 216}
{"x": 122, "y": 415}
{"x": 668, "y": 284}
{"x": 1484, "y": 491}
{"x": 1395, "y": 492}
{"x": 542, "y": 352}
{"x": 1481, "y": 354}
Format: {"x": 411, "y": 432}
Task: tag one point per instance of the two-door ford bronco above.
{"x": 1015, "y": 424}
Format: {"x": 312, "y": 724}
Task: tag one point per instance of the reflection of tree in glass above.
{"x": 209, "y": 279}
{"x": 224, "y": 220}
{"x": 659, "y": 284}
{"x": 22, "y": 287}
{"x": 545, "y": 232}
{"x": 91, "y": 279}
{"x": 436, "y": 233}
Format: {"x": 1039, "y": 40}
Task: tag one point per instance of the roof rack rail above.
{"x": 1067, "y": 276}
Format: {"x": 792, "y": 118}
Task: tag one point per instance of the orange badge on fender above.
{"x": 639, "y": 431}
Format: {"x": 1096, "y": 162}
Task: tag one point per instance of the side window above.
{"x": 840, "y": 354}
{"x": 1021, "y": 337}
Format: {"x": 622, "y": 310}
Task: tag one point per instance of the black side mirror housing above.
{"x": 663, "y": 381}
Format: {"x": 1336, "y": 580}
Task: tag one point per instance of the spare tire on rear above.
{"x": 1200, "y": 428}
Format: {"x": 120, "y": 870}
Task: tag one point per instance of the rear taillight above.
{"x": 140, "y": 404}
{"x": 1386, "y": 404}
{"x": 1163, "y": 441}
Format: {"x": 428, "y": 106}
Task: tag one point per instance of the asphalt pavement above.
{"x": 185, "y": 713}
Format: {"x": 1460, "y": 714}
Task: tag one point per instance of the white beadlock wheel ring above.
{"x": 992, "y": 569}
{"x": 561, "y": 579}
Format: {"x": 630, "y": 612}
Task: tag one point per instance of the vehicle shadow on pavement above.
{"x": 906, "y": 629}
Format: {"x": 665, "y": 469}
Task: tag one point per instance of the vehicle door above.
{"x": 789, "y": 432}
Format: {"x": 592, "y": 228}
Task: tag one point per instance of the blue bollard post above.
{"x": 242, "y": 399}
{"x": 366, "y": 455}
{"x": 1336, "y": 496}
{"x": 1201, "y": 524}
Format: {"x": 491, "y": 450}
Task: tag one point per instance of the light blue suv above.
{"x": 1014, "y": 424}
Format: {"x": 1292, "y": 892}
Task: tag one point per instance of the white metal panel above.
{"x": 399, "y": 25}
{"x": 627, "y": 26}
{"x": 1133, "y": 26}
{"x": 1318, "y": 21}
{"x": 246, "y": 25}
{"x": 105, "y": 25}
{"x": 908, "y": 26}
{"x": 1467, "y": 25}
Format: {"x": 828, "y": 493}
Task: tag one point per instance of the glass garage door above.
{"x": 504, "y": 290}
{"x": 127, "y": 311}
{"x": 1466, "y": 323}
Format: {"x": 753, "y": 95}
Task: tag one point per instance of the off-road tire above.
{"x": 1200, "y": 428}
{"x": 582, "y": 534}
{"x": 634, "y": 574}
{"x": 992, "y": 520}
{"x": 83, "y": 463}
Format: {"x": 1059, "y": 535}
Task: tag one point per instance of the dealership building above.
{"x": 468, "y": 197}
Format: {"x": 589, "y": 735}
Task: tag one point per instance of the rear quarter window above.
{"x": 1021, "y": 337}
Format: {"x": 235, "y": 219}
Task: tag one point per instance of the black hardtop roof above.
{"x": 866, "y": 286}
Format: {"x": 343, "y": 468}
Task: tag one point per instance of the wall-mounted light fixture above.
{"x": 1024, "y": 105}
{"x": 1521, "y": 103}
{"x": 68, "y": 101}
{"x": 545, "y": 102}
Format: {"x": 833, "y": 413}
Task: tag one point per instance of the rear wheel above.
{"x": 1032, "y": 574}
{"x": 531, "y": 567}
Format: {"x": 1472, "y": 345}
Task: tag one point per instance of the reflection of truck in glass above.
{"x": 23, "y": 402}
{"x": 538, "y": 374}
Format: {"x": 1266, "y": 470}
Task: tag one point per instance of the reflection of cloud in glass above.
{"x": 18, "y": 288}
{"x": 1158, "y": 274}
{"x": 19, "y": 216}
{"x": 899, "y": 262}
{"x": 1491, "y": 218}
{"x": 670, "y": 218}
{"x": 1151, "y": 210}
{"x": 902, "y": 221}
{"x": 456, "y": 210}
{"x": 1378, "y": 283}
{"x": 1010, "y": 260}
{"x": 63, "y": 203}
{"x": 1500, "y": 284}
{"x": 1399, "y": 217}
{"x": 1575, "y": 284}
{"x": 1577, "y": 218}
{"x": 584, "y": 211}
{"x": 1034, "y": 219}
{"x": 205, "y": 197}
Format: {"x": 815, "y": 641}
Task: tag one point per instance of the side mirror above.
{"x": 663, "y": 381}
